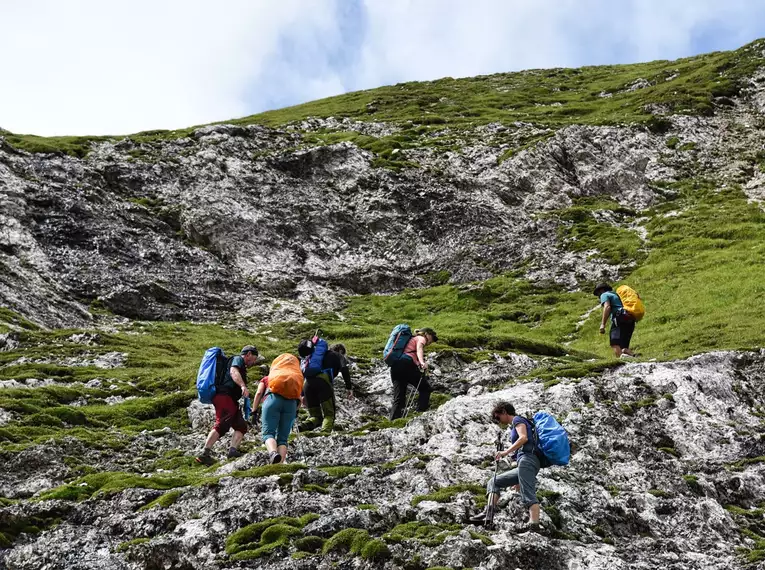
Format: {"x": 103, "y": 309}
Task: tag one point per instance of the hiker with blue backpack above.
{"x": 320, "y": 366}
{"x": 534, "y": 444}
{"x": 405, "y": 354}
{"x": 222, "y": 382}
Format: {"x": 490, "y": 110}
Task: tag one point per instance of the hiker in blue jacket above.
{"x": 622, "y": 325}
{"x": 524, "y": 476}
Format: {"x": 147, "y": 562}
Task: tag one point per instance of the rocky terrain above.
{"x": 271, "y": 229}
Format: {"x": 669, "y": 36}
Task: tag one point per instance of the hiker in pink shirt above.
{"x": 412, "y": 371}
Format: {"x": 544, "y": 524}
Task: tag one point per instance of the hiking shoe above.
{"x": 626, "y": 356}
{"x": 274, "y": 458}
{"x": 205, "y": 458}
{"x": 233, "y": 453}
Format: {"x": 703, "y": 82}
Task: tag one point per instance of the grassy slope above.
{"x": 547, "y": 97}
{"x": 701, "y": 277}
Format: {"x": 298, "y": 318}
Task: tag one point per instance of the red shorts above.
{"x": 227, "y": 415}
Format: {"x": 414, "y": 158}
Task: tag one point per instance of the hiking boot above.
{"x": 274, "y": 458}
{"x": 627, "y": 356}
{"x": 206, "y": 457}
{"x": 233, "y": 453}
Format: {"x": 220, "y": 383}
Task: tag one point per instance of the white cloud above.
{"x": 95, "y": 67}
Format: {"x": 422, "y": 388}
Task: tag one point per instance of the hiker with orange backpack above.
{"x": 285, "y": 385}
{"x": 624, "y": 307}
{"x": 405, "y": 354}
{"x": 231, "y": 387}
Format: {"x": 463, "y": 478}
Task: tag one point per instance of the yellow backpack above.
{"x": 632, "y": 302}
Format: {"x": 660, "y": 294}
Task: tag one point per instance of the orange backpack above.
{"x": 285, "y": 377}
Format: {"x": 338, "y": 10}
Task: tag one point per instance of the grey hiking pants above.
{"x": 524, "y": 475}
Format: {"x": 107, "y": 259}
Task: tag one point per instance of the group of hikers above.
{"x": 308, "y": 380}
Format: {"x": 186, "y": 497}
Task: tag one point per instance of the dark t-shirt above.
{"x": 227, "y": 385}
{"x": 339, "y": 365}
{"x": 527, "y": 447}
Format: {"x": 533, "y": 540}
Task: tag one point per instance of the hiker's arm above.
{"x": 258, "y": 395}
{"x": 522, "y": 439}
{"x": 236, "y": 376}
{"x": 346, "y": 377}
{"x": 421, "y": 353}
{"x": 604, "y": 318}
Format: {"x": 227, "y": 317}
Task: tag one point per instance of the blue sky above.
{"x": 94, "y": 67}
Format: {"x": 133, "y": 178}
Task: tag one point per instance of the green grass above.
{"x": 548, "y": 97}
{"x": 581, "y": 231}
{"x": 699, "y": 276}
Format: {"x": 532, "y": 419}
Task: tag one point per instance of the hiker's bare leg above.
{"x": 212, "y": 437}
{"x": 617, "y": 350}
{"x": 236, "y": 439}
{"x": 283, "y": 452}
{"x": 271, "y": 444}
{"x": 534, "y": 513}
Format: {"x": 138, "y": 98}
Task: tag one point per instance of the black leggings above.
{"x": 403, "y": 373}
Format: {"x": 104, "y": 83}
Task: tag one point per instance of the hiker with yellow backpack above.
{"x": 625, "y": 308}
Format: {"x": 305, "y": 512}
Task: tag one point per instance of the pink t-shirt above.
{"x": 411, "y": 348}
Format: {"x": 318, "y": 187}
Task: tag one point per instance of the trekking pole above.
{"x": 410, "y": 399}
{"x": 298, "y": 447}
{"x": 489, "y": 520}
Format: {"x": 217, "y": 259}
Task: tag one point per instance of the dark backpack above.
{"x": 397, "y": 341}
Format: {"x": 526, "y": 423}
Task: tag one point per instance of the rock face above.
{"x": 233, "y": 218}
{"x": 661, "y": 477}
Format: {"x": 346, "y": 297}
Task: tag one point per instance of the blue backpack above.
{"x": 212, "y": 367}
{"x": 312, "y": 364}
{"x": 394, "y": 348}
{"x": 551, "y": 439}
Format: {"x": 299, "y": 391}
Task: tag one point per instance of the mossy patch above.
{"x": 427, "y": 534}
{"x": 358, "y": 542}
{"x": 163, "y": 501}
{"x": 446, "y": 494}
{"x": 261, "y": 538}
{"x": 125, "y": 546}
{"x": 309, "y": 544}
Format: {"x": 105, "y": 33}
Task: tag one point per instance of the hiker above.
{"x": 412, "y": 369}
{"x": 226, "y": 402}
{"x": 524, "y": 476}
{"x": 319, "y": 390}
{"x": 280, "y": 404}
{"x": 622, "y": 324}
